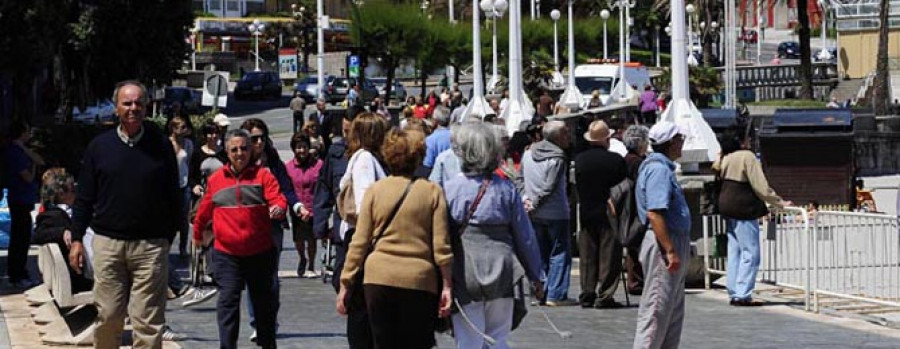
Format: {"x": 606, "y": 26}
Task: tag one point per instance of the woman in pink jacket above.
{"x": 303, "y": 170}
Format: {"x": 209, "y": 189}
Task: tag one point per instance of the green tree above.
{"x": 703, "y": 82}
{"x": 389, "y": 32}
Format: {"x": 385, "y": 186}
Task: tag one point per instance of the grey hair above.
{"x": 635, "y": 137}
{"x": 441, "y": 116}
{"x": 552, "y": 129}
{"x": 478, "y": 148}
{"x": 145, "y": 99}
{"x": 239, "y": 132}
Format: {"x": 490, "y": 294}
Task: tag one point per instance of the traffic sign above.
{"x": 215, "y": 89}
{"x": 354, "y": 66}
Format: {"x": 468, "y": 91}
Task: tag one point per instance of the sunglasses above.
{"x": 130, "y": 103}
{"x": 256, "y": 138}
{"x": 242, "y": 148}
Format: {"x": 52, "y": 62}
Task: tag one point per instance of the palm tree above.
{"x": 881, "y": 98}
{"x": 806, "y": 90}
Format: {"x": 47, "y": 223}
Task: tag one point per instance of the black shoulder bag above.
{"x": 354, "y": 299}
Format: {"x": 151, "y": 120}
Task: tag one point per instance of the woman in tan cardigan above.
{"x": 742, "y": 200}
{"x": 400, "y": 281}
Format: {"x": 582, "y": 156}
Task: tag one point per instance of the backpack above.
{"x": 626, "y": 221}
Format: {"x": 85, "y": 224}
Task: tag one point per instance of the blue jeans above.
{"x": 743, "y": 257}
{"x": 278, "y": 239}
{"x": 556, "y": 256}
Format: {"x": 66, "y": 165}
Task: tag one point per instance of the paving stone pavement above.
{"x": 308, "y": 320}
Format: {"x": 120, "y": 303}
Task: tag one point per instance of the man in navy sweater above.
{"x": 128, "y": 193}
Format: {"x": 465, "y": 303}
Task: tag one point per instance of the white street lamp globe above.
{"x": 256, "y": 22}
{"x": 252, "y": 28}
{"x": 668, "y": 30}
{"x": 714, "y": 25}
{"x": 487, "y": 6}
{"x": 702, "y": 25}
{"x": 554, "y": 15}
{"x": 293, "y": 6}
{"x": 690, "y": 8}
{"x": 500, "y": 6}
{"x": 604, "y": 14}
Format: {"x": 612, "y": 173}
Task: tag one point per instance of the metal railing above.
{"x": 850, "y": 256}
{"x": 784, "y": 249}
{"x": 856, "y": 257}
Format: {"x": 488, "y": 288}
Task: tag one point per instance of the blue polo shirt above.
{"x": 658, "y": 190}
{"x": 435, "y": 144}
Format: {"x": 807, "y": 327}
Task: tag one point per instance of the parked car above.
{"x": 336, "y": 92}
{"x": 749, "y": 36}
{"x": 789, "y": 49}
{"x": 102, "y": 112}
{"x": 190, "y": 99}
{"x": 309, "y": 87}
{"x": 398, "y": 91}
{"x": 831, "y": 59}
{"x": 258, "y": 84}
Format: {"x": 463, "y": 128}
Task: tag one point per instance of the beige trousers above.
{"x": 130, "y": 276}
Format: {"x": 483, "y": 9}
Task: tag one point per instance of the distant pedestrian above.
{"x": 439, "y": 140}
{"x": 245, "y": 252}
{"x": 326, "y": 121}
{"x": 545, "y": 104}
{"x": 446, "y": 164}
{"x": 420, "y": 109}
{"x": 353, "y": 96}
{"x": 184, "y": 149}
{"x": 544, "y": 173}
{"x": 297, "y": 106}
{"x": 133, "y": 232}
{"x": 742, "y": 201}
{"x": 492, "y": 237}
{"x": 648, "y": 106}
{"x": 595, "y": 102}
{"x": 21, "y": 175}
{"x": 597, "y": 170}
{"x": 665, "y": 250}
{"x": 833, "y": 103}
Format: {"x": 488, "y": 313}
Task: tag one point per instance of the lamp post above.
{"x": 424, "y": 6}
{"x": 622, "y": 91}
{"x": 657, "y": 45}
{"x": 519, "y": 106}
{"x": 605, "y": 15}
{"x": 478, "y": 106}
{"x": 554, "y": 15}
{"x": 700, "y": 141}
{"x": 321, "y": 24}
{"x": 494, "y": 9}
{"x": 629, "y": 23}
{"x": 194, "y": 32}
{"x": 256, "y": 28}
{"x": 537, "y": 3}
{"x": 690, "y": 14}
{"x": 714, "y": 26}
{"x": 823, "y": 54}
{"x": 571, "y": 98}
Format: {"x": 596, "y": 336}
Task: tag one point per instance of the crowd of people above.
{"x": 434, "y": 221}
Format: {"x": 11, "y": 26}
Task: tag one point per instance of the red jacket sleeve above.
{"x": 272, "y": 191}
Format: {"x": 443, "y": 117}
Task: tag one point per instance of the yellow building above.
{"x": 858, "y": 29}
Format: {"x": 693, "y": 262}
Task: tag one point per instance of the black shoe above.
{"x": 301, "y": 267}
{"x": 608, "y": 303}
{"x": 749, "y": 302}
{"x": 587, "y": 300}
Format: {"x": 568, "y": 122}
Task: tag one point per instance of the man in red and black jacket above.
{"x": 242, "y": 199}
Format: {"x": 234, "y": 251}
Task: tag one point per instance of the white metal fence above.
{"x": 844, "y": 255}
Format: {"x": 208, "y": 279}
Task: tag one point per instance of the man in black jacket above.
{"x": 596, "y": 171}
{"x": 128, "y": 193}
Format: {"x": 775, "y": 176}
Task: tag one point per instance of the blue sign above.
{"x": 354, "y": 67}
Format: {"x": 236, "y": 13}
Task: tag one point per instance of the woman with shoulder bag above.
{"x": 363, "y": 168}
{"x": 742, "y": 201}
{"x": 492, "y": 235}
{"x": 402, "y": 249}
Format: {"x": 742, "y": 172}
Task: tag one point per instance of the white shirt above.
{"x": 365, "y": 170}
{"x": 616, "y": 146}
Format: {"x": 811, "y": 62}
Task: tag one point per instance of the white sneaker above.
{"x": 253, "y": 336}
{"x": 170, "y": 335}
{"x": 200, "y": 295}
{"x": 311, "y": 274}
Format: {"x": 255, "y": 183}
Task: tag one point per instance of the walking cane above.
{"x": 625, "y": 282}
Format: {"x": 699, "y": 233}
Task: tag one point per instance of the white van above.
{"x": 604, "y": 77}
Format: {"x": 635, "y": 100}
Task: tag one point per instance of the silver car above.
{"x": 398, "y": 92}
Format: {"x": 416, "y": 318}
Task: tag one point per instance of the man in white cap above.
{"x": 596, "y": 171}
{"x": 665, "y": 252}
{"x": 222, "y": 122}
